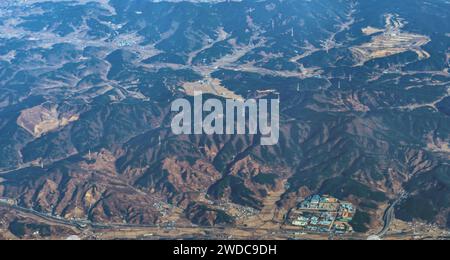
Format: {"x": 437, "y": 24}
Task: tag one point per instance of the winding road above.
{"x": 389, "y": 215}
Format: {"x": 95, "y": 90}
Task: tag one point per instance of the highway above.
{"x": 389, "y": 214}
{"x": 84, "y": 224}
{"x": 76, "y": 224}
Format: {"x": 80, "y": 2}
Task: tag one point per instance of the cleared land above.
{"x": 391, "y": 42}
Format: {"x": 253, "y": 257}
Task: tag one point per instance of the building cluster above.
{"x": 235, "y": 210}
{"x": 238, "y": 211}
{"x": 323, "y": 214}
{"x": 8, "y": 201}
{"x": 162, "y": 208}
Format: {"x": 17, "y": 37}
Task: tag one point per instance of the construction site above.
{"x": 390, "y": 41}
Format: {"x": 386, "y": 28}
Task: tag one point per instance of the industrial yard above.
{"x": 323, "y": 214}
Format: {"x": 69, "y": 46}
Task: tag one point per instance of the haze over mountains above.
{"x": 86, "y": 89}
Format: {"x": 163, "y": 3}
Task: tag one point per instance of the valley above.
{"x": 86, "y": 147}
